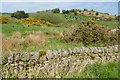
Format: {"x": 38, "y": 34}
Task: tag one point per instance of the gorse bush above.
{"x": 90, "y": 33}
{"x": 34, "y": 21}
{"x": 47, "y": 16}
{"x": 4, "y": 19}
{"x": 19, "y": 14}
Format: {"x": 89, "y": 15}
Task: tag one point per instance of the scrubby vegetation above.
{"x": 89, "y": 33}
{"x": 5, "y": 20}
{"x": 19, "y": 14}
{"x": 47, "y": 16}
{"x": 34, "y": 22}
{"x": 56, "y": 10}
{"x": 50, "y": 29}
{"x": 16, "y": 41}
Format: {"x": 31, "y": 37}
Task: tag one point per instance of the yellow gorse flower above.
{"x": 4, "y": 20}
{"x": 34, "y": 21}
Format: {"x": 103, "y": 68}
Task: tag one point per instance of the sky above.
{"x": 60, "y": 0}
{"x": 107, "y": 7}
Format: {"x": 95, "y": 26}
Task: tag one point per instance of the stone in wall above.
{"x": 49, "y": 54}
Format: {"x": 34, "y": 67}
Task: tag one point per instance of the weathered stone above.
{"x": 58, "y": 65}
{"x": 69, "y": 51}
{"x": 49, "y": 54}
{"x": 65, "y": 53}
{"x": 91, "y": 50}
{"x": 55, "y": 53}
{"x": 116, "y": 48}
{"x": 82, "y": 49}
{"x": 87, "y": 50}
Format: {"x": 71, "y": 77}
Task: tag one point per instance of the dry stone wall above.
{"x": 55, "y": 63}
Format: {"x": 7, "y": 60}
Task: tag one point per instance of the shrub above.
{"x": 75, "y": 13}
{"x": 85, "y": 9}
{"x": 47, "y": 16}
{"x": 97, "y": 13}
{"x": 91, "y": 34}
{"x": 67, "y": 11}
{"x": 92, "y": 10}
{"x": 72, "y": 10}
{"x": 63, "y": 11}
{"x": 117, "y": 18}
{"x": 56, "y": 10}
{"x": 19, "y": 14}
{"x": 34, "y": 21}
{"x": 4, "y": 20}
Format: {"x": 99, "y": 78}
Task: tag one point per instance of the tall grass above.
{"x": 47, "y": 16}
{"x": 16, "y": 41}
{"x": 98, "y": 70}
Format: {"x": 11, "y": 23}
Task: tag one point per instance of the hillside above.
{"x": 76, "y": 44}
{"x": 90, "y": 13}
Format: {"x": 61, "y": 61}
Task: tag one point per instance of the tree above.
{"x": 19, "y": 14}
{"x": 56, "y": 10}
{"x": 72, "y": 10}
{"x": 97, "y": 13}
{"x": 85, "y": 9}
{"x": 92, "y": 10}
{"x": 63, "y": 11}
{"x": 118, "y": 18}
{"x": 67, "y": 12}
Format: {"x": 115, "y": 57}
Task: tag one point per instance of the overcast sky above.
{"x": 60, "y": 0}
{"x": 107, "y": 7}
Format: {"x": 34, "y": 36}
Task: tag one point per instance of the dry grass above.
{"x": 16, "y": 41}
{"x": 34, "y": 38}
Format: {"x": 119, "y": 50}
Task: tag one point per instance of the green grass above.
{"x": 53, "y": 41}
{"x": 47, "y": 16}
{"x": 5, "y": 14}
{"x": 8, "y": 29}
{"x": 71, "y": 19}
{"x": 110, "y": 24}
{"x": 98, "y": 70}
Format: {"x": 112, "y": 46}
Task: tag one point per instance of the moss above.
{"x": 42, "y": 53}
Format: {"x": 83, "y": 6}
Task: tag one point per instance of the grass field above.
{"x": 98, "y": 70}
{"x": 52, "y": 32}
